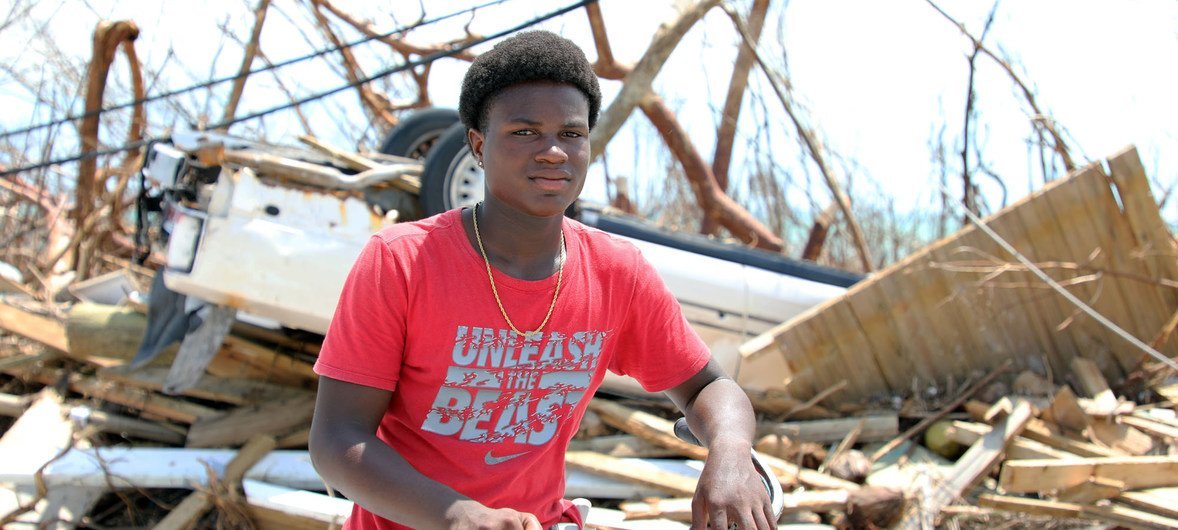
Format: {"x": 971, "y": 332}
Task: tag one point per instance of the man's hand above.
{"x": 470, "y": 515}
{"x": 730, "y": 491}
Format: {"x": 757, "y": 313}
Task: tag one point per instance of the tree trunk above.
{"x": 715, "y": 203}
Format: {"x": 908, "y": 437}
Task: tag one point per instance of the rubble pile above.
{"x": 86, "y": 430}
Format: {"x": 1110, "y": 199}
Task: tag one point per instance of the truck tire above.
{"x": 451, "y": 176}
{"x": 418, "y": 132}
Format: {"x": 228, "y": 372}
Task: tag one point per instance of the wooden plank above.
{"x": 1066, "y": 412}
{"x": 198, "y": 502}
{"x": 949, "y": 303}
{"x": 1028, "y": 305}
{"x": 1141, "y": 211}
{"x": 66, "y": 508}
{"x": 1076, "y": 209}
{"x": 1147, "y": 306}
{"x": 800, "y": 351}
{"x": 969, "y": 469}
{"x": 876, "y": 428}
{"x": 983, "y": 307}
{"x": 621, "y": 446}
{"x": 1091, "y": 490}
{"x": 279, "y": 508}
{"x": 1073, "y": 245}
{"x": 1024, "y": 476}
{"x": 1094, "y": 215}
{"x": 1162, "y": 501}
{"x": 1121, "y": 437}
{"x": 210, "y": 387}
{"x": 127, "y": 426}
{"x": 1041, "y": 432}
{"x": 616, "y": 468}
{"x": 41, "y": 329}
{"x": 645, "y": 426}
{"x": 968, "y": 433}
{"x": 12, "y": 405}
{"x": 238, "y": 426}
{"x": 920, "y": 348}
{"x": 873, "y": 312}
{"x": 1093, "y": 384}
{"x": 849, "y": 344}
{"x": 268, "y": 364}
{"x": 1153, "y": 427}
{"x": 1113, "y": 514}
{"x": 148, "y": 402}
{"x": 1040, "y": 246}
{"x": 39, "y": 436}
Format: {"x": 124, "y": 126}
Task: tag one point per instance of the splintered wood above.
{"x": 964, "y": 304}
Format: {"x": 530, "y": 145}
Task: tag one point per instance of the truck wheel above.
{"x": 418, "y": 132}
{"x": 451, "y": 176}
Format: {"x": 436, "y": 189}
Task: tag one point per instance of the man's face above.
{"x": 535, "y": 146}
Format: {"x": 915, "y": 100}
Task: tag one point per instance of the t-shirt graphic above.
{"x": 503, "y": 388}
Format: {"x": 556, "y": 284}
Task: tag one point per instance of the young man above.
{"x": 465, "y": 347}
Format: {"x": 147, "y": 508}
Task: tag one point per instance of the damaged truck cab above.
{"x": 272, "y": 232}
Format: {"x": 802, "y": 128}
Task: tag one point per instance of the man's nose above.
{"x": 551, "y": 152}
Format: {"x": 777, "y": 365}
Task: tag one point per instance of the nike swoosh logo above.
{"x": 491, "y": 459}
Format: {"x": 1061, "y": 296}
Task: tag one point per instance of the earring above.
{"x": 480, "y": 163}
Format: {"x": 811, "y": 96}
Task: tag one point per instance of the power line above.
{"x": 389, "y": 71}
{"x": 266, "y": 68}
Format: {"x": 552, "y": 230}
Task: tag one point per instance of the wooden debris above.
{"x": 965, "y": 396}
{"x": 1112, "y": 514}
{"x": 1091, "y": 490}
{"x": 1020, "y": 448}
{"x": 1153, "y": 427}
{"x": 1093, "y": 384}
{"x": 646, "y": 426}
{"x": 970, "y": 468}
{"x": 210, "y": 387}
{"x": 882, "y": 503}
{"x": 275, "y": 418}
{"x": 1022, "y": 476}
{"x": 148, "y": 402}
{"x": 196, "y": 504}
{"x": 876, "y": 428}
{"x": 609, "y": 466}
{"x": 44, "y": 330}
{"x": 621, "y": 446}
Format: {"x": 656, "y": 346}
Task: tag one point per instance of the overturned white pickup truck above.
{"x": 273, "y": 231}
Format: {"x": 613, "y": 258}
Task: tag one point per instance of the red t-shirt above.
{"x": 474, "y": 406}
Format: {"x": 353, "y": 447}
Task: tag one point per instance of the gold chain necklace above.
{"x": 559, "y": 276}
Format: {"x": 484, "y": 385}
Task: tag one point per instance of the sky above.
{"x": 879, "y": 80}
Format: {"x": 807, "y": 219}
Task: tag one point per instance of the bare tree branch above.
{"x": 107, "y": 37}
{"x": 251, "y": 50}
{"x": 1040, "y": 117}
{"x": 377, "y": 105}
{"x": 639, "y": 80}
{"x": 729, "y": 117}
{"x": 606, "y": 66}
{"x": 813, "y": 145}
{"x": 711, "y": 198}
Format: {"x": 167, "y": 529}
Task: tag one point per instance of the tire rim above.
{"x": 464, "y": 181}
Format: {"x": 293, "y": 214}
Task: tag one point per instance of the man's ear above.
{"x": 475, "y": 139}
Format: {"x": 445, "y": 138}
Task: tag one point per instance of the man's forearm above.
{"x": 373, "y": 475}
{"x": 721, "y": 415}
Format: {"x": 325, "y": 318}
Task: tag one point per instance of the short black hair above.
{"x": 526, "y": 56}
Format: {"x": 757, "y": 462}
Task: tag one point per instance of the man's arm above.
{"x": 348, "y": 455}
{"x": 720, "y": 415}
